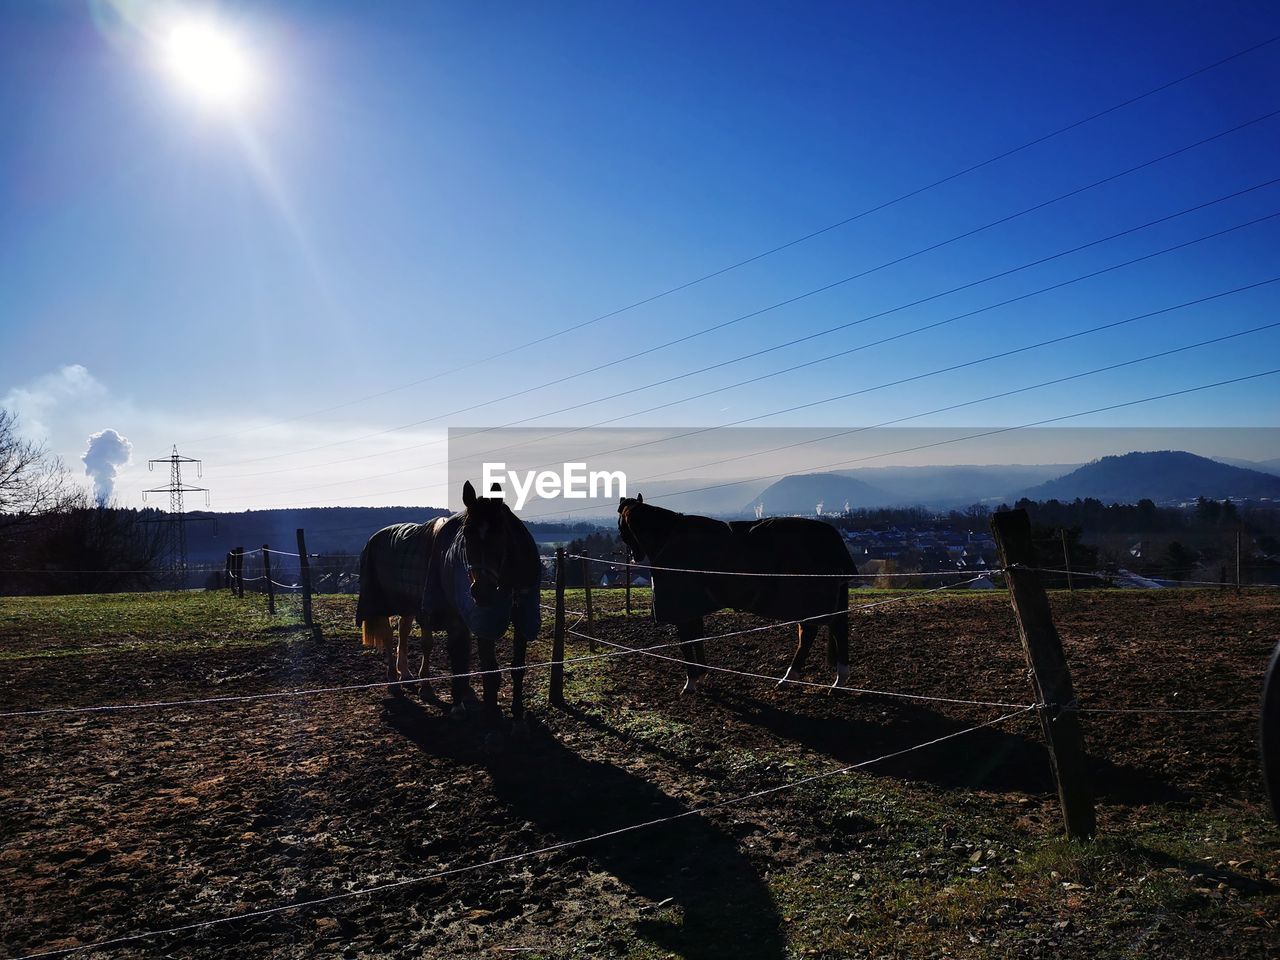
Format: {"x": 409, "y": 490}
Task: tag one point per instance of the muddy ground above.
{"x": 117, "y": 823}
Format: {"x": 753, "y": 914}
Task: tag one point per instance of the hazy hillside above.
{"x": 945, "y": 487}
{"x": 328, "y": 529}
{"x": 801, "y": 494}
{"x": 1160, "y": 475}
{"x": 1264, "y": 466}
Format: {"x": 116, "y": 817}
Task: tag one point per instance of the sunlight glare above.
{"x": 209, "y": 63}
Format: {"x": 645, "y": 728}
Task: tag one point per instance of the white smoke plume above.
{"x": 107, "y": 453}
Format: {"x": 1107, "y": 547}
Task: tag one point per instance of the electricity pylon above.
{"x": 175, "y": 537}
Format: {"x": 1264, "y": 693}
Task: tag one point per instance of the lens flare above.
{"x": 209, "y": 63}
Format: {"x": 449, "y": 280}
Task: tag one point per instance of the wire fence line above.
{"x": 617, "y": 650}
{"x": 780, "y": 681}
{"x": 744, "y": 573}
{"x": 1118, "y": 576}
{"x": 383, "y": 684}
{"x": 512, "y": 858}
{"x": 991, "y": 572}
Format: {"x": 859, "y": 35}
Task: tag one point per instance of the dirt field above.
{"x": 117, "y": 823}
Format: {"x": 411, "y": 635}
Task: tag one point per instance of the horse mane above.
{"x": 657, "y": 523}
{"x": 522, "y": 567}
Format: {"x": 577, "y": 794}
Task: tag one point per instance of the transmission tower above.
{"x": 175, "y": 535}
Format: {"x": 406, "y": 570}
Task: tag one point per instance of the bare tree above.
{"x": 33, "y": 481}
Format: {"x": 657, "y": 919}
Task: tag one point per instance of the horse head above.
{"x": 484, "y": 543}
{"x": 632, "y": 527}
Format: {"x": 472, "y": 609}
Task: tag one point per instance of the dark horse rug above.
{"x": 420, "y": 570}
{"x": 782, "y": 568}
{"x": 473, "y": 574}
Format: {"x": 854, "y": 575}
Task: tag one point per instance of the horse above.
{"x": 472, "y": 573}
{"x": 746, "y": 553}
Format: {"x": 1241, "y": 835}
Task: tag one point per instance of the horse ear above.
{"x": 639, "y": 498}
{"x": 468, "y": 495}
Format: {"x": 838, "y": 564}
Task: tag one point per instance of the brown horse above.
{"x": 473, "y": 573}
{"x": 746, "y": 553}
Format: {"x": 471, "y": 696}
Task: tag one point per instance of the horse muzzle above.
{"x": 484, "y": 593}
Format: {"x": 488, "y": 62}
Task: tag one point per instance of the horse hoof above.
{"x": 690, "y": 689}
{"x": 786, "y": 678}
{"x": 458, "y": 712}
{"x": 842, "y": 675}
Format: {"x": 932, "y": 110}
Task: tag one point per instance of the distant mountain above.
{"x": 1265, "y": 466}
{"x": 1162, "y": 475}
{"x": 947, "y": 487}
{"x": 328, "y": 529}
{"x": 801, "y": 493}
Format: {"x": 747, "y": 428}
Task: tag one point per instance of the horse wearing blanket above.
{"x": 747, "y": 553}
{"x": 476, "y": 572}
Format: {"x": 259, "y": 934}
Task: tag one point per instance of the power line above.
{"x": 1021, "y": 426}
{"x": 955, "y": 406}
{"x": 832, "y": 329}
{"x": 950, "y": 440}
{"x": 994, "y": 396}
{"x": 773, "y": 250}
{"x": 1048, "y": 342}
{"x": 788, "y": 301}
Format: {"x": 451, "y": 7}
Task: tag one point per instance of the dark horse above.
{"x": 776, "y": 545}
{"x": 472, "y": 573}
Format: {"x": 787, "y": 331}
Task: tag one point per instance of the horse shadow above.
{"x": 716, "y": 906}
{"x": 995, "y": 759}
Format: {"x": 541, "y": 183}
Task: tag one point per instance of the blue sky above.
{"x": 416, "y": 186}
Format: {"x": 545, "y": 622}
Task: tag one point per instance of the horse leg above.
{"x": 459, "y": 643}
{"x": 424, "y": 671}
{"x": 388, "y": 644}
{"x": 805, "y": 632}
{"x": 491, "y": 679}
{"x": 690, "y": 632}
{"x": 402, "y": 649}
{"x": 838, "y": 644}
{"x": 519, "y": 647}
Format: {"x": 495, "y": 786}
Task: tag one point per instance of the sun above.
{"x": 209, "y": 63}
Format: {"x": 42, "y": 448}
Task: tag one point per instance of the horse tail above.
{"x": 376, "y": 632}
{"x": 375, "y": 628}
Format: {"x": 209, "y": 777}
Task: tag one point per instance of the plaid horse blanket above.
{"x": 420, "y": 570}
{"x": 393, "y": 568}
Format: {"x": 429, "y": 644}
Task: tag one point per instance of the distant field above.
{"x": 121, "y": 822}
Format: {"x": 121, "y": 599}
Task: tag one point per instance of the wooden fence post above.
{"x": 1237, "y": 559}
{"x": 586, "y": 594}
{"x": 1066, "y": 559}
{"x": 1269, "y": 733}
{"x": 239, "y": 567}
{"x": 304, "y": 574}
{"x": 266, "y": 580}
{"x": 1048, "y": 662}
{"x": 557, "y": 636}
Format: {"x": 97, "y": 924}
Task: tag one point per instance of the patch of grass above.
{"x": 119, "y": 622}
